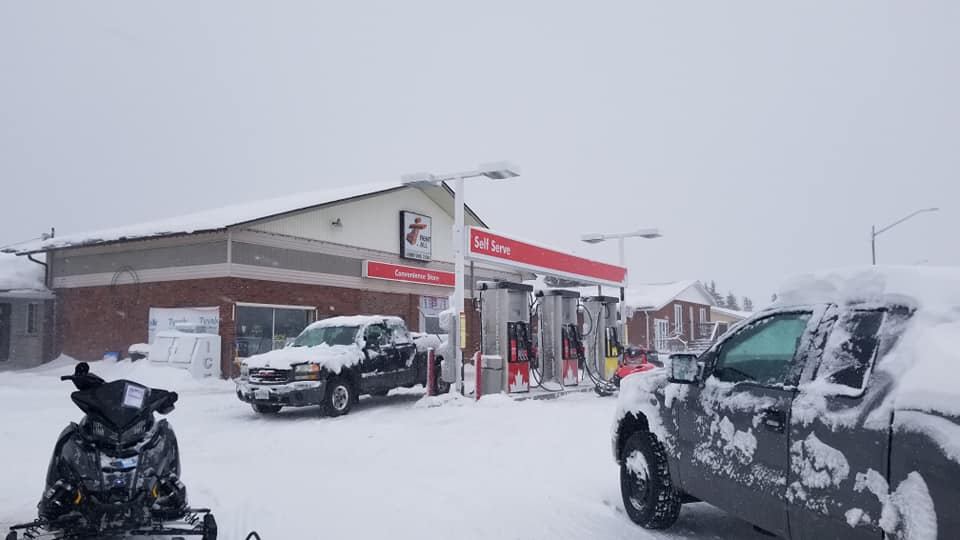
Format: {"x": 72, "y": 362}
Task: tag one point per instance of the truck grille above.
{"x": 270, "y": 376}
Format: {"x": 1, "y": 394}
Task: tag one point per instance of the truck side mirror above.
{"x": 684, "y": 368}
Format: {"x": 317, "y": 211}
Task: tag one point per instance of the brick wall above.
{"x": 92, "y": 320}
{"x": 640, "y": 325}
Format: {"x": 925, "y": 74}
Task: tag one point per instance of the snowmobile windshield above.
{"x": 327, "y": 335}
{"x": 121, "y": 404}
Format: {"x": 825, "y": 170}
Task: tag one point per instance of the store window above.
{"x": 264, "y": 328}
{"x": 430, "y": 308}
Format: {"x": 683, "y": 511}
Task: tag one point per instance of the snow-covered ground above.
{"x": 392, "y": 468}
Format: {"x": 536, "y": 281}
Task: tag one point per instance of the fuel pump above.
{"x": 559, "y": 337}
{"x": 603, "y": 344}
{"x": 506, "y": 346}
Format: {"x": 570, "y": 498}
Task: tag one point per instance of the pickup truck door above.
{"x": 404, "y": 356}
{"x": 734, "y": 429}
{"x": 376, "y": 367}
{"x": 830, "y": 444}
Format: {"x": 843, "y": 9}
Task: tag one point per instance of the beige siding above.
{"x": 371, "y": 223}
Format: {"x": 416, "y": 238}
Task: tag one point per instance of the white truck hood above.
{"x": 333, "y": 358}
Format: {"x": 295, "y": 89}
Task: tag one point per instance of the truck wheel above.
{"x": 645, "y": 483}
{"x": 339, "y": 397}
{"x": 262, "y": 408}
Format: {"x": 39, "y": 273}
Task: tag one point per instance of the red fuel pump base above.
{"x": 518, "y": 374}
{"x": 571, "y": 373}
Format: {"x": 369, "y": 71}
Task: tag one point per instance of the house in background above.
{"x": 725, "y": 318}
{"x": 668, "y": 317}
{"x": 26, "y": 314}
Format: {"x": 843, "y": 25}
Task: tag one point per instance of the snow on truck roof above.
{"x": 355, "y": 320}
{"x": 925, "y": 362}
{"x": 922, "y": 286}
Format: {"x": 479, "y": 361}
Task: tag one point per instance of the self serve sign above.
{"x": 486, "y": 245}
{"x": 490, "y": 245}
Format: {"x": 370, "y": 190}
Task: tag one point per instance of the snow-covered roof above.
{"x": 731, "y": 312}
{"x": 20, "y": 274}
{"x": 654, "y": 296}
{"x": 220, "y": 218}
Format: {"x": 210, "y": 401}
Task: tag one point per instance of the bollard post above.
{"x": 478, "y": 365}
{"x": 431, "y": 372}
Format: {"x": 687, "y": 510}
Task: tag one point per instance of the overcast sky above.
{"x": 762, "y": 138}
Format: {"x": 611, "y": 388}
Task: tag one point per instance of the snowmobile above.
{"x": 116, "y": 474}
{"x": 633, "y": 360}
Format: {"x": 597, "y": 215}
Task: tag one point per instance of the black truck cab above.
{"x": 787, "y": 423}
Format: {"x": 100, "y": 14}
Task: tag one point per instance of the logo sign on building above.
{"x": 416, "y": 234}
{"x": 203, "y": 319}
{"x": 486, "y": 245}
{"x": 408, "y": 274}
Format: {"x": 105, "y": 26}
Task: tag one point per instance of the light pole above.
{"x": 494, "y": 171}
{"x": 874, "y": 232}
{"x": 640, "y": 233}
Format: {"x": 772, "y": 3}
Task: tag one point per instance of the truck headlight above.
{"x": 306, "y": 372}
{"x": 244, "y": 371}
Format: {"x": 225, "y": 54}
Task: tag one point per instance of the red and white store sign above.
{"x": 408, "y": 274}
{"x": 485, "y": 245}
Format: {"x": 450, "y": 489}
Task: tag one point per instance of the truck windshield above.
{"x": 330, "y": 335}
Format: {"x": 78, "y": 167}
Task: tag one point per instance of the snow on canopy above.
{"x": 20, "y": 273}
{"x": 210, "y": 220}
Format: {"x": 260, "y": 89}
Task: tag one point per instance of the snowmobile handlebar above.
{"x": 82, "y": 378}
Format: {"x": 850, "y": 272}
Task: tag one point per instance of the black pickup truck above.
{"x": 332, "y": 362}
{"x": 821, "y": 421}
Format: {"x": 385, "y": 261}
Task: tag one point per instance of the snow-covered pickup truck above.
{"x": 835, "y": 414}
{"x": 332, "y": 362}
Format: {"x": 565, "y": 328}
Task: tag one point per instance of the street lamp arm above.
{"x": 594, "y": 238}
{"x": 901, "y": 220}
{"x": 457, "y": 176}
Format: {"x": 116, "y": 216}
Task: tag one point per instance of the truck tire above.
{"x": 261, "y": 408}
{"x": 645, "y": 484}
{"x": 339, "y": 397}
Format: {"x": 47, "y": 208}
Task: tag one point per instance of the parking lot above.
{"x": 391, "y": 468}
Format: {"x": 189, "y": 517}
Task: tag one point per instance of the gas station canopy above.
{"x": 492, "y": 247}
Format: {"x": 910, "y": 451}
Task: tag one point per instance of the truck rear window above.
{"x": 851, "y": 348}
